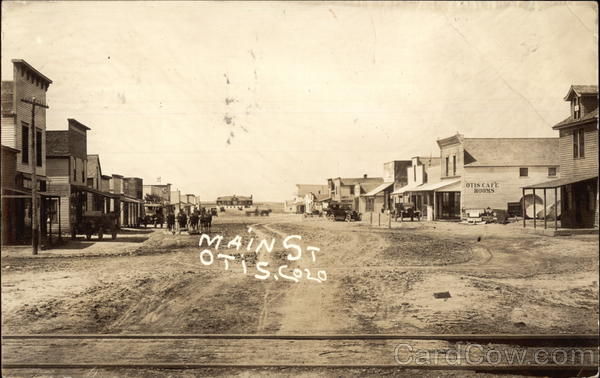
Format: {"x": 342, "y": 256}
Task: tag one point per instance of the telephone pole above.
{"x": 35, "y": 214}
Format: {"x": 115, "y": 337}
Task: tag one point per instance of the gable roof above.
{"x": 581, "y": 90}
{"x": 379, "y": 189}
{"x": 510, "y": 152}
{"x": 570, "y": 121}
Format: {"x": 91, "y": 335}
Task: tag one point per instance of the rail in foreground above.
{"x": 567, "y": 354}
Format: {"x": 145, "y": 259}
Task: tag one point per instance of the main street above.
{"x": 377, "y": 281}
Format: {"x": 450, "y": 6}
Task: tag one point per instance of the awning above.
{"x": 560, "y": 182}
{"x": 92, "y": 190}
{"x": 379, "y": 189}
{"x": 406, "y": 188}
{"x": 131, "y": 199}
{"x": 436, "y": 186}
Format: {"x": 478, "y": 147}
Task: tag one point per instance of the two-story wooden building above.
{"x": 422, "y": 173}
{"x": 28, "y": 147}
{"x": 378, "y": 198}
{"x": 347, "y": 191}
{"x": 66, "y": 154}
{"x": 481, "y": 173}
{"x": 577, "y": 188}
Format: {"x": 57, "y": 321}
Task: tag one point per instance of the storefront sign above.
{"x": 483, "y": 187}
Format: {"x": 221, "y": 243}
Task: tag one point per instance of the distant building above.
{"x": 133, "y": 201}
{"x": 422, "y": 170}
{"x": 17, "y": 135}
{"x": 346, "y": 191}
{"x": 577, "y": 188}
{"x": 303, "y": 198}
{"x": 234, "y": 201}
{"x": 379, "y": 198}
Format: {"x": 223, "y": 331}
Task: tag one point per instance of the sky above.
{"x": 221, "y": 98}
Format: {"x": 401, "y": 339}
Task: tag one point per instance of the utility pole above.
{"x": 35, "y": 214}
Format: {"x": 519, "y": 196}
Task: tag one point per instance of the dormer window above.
{"x": 576, "y": 107}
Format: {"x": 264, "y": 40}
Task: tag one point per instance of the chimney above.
{"x": 365, "y": 175}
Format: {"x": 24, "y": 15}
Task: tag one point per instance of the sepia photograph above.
{"x": 299, "y": 188}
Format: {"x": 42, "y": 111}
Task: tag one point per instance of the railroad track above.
{"x": 316, "y": 351}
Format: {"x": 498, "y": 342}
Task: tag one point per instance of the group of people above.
{"x": 176, "y": 223}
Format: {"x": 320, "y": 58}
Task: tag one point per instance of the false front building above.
{"x": 482, "y": 173}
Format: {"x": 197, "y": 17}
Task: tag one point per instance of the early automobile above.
{"x": 95, "y": 222}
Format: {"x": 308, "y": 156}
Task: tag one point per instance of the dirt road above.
{"x": 377, "y": 281}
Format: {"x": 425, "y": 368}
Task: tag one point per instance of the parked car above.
{"x": 353, "y": 215}
{"x": 95, "y": 222}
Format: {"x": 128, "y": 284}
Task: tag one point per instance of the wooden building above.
{"x": 577, "y": 188}
{"x": 378, "y": 198}
{"x": 67, "y": 159}
{"x": 422, "y": 174}
{"x": 482, "y": 173}
{"x": 347, "y": 191}
{"x": 132, "y": 201}
{"x": 18, "y": 147}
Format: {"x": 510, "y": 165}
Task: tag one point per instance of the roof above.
{"x": 57, "y": 143}
{"x": 76, "y": 123}
{"x": 570, "y": 121}
{"x": 304, "y": 189}
{"x": 379, "y": 189}
{"x": 510, "y": 152}
{"x": 10, "y": 149}
{"x": 582, "y": 90}
{"x": 93, "y": 162}
{"x": 366, "y": 187}
{"x": 29, "y": 67}
{"x": 359, "y": 180}
{"x": 560, "y": 182}
{"x": 435, "y": 185}
{"x": 406, "y": 188}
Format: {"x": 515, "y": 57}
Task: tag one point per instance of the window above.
{"x": 370, "y": 205}
{"x": 552, "y": 171}
{"x": 578, "y": 143}
{"x": 523, "y": 172}
{"x": 24, "y": 144}
{"x": 38, "y": 148}
{"x": 352, "y": 190}
{"x": 576, "y": 108}
{"x": 82, "y": 176}
{"x": 447, "y": 163}
{"x": 415, "y": 173}
{"x": 454, "y": 165}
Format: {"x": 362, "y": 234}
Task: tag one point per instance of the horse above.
{"x": 206, "y": 221}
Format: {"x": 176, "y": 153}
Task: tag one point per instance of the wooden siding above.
{"x": 505, "y": 185}
{"x": 586, "y": 166}
{"x": 60, "y": 185}
{"x": 9, "y": 137}
{"x": 27, "y": 89}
